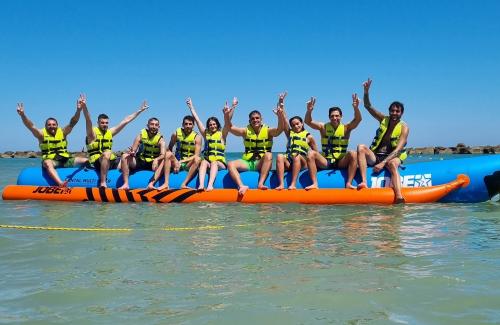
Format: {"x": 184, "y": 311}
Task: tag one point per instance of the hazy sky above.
{"x": 440, "y": 58}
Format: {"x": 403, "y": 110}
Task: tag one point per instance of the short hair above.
{"x": 296, "y": 117}
{"x": 189, "y": 118}
{"x": 254, "y": 112}
{"x": 51, "y": 119}
{"x": 102, "y": 116}
{"x": 213, "y": 118}
{"x": 398, "y": 105}
{"x": 153, "y": 119}
{"x": 333, "y": 109}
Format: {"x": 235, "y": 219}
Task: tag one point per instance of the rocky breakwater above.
{"x": 460, "y": 148}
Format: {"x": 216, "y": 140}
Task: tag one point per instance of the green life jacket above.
{"x": 257, "y": 145}
{"x": 150, "y": 147}
{"x": 333, "y": 143}
{"x": 54, "y": 146}
{"x": 214, "y": 147}
{"x": 185, "y": 145}
{"x": 396, "y": 134}
{"x": 101, "y": 143}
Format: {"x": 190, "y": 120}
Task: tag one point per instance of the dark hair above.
{"x": 398, "y": 105}
{"x": 153, "y": 119}
{"x": 213, "y": 118}
{"x": 51, "y": 119}
{"x": 254, "y": 112}
{"x": 189, "y": 118}
{"x": 296, "y": 117}
{"x": 335, "y": 108}
{"x": 102, "y": 116}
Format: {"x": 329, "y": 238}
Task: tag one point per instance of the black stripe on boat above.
{"x": 102, "y": 193}
{"x": 162, "y": 194}
{"x": 130, "y": 196}
{"x": 184, "y": 196}
{"x": 116, "y": 195}
{"x": 90, "y": 195}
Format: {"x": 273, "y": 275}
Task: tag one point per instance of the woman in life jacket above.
{"x": 300, "y": 141}
{"x": 215, "y": 146}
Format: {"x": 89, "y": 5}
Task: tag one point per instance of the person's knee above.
{"x": 311, "y": 155}
{"x": 231, "y": 165}
{"x": 197, "y": 160}
{"x": 268, "y": 156}
{"x": 296, "y": 159}
{"x": 392, "y": 165}
{"x": 47, "y": 163}
{"x": 362, "y": 148}
{"x": 280, "y": 158}
{"x": 106, "y": 155}
{"x": 352, "y": 155}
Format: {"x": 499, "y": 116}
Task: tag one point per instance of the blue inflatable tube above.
{"x": 483, "y": 171}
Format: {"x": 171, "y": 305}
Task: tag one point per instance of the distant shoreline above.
{"x": 458, "y": 149}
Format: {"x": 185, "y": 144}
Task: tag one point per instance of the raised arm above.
{"x": 88, "y": 124}
{"x": 116, "y": 129}
{"x": 279, "y": 111}
{"x": 366, "y": 101}
{"x": 82, "y": 101}
{"x": 308, "y": 118}
{"x": 27, "y": 122}
{"x": 190, "y": 105}
{"x": 228, "y": 123}
{"x": 357, "y": 114}
{"x": 225, "y": 128}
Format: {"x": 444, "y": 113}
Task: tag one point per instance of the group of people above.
{"x": 149, "y": 150}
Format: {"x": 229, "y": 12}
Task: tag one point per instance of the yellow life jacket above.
{"x": 150, "y": 147}
{"x": 396, "y": 134}
{"x": 185, "y": 145}
{"x": 257, "y": 145}
{"x": 333, "y": 143}
{"x": 297, "y": 144}
{"x": 101, "y": 143}
{"x": 214, "y": 147}
{"x": 54, "y": 146}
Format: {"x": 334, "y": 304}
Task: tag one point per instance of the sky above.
{"x": 440, "y": 58}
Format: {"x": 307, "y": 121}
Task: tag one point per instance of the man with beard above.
{"x": 150, "y": 157}
{"x": 100, "y": 141}
{"x": 388, "y": 147}
{"x": 187, "y": 144}
{"x": 53, "y": 143}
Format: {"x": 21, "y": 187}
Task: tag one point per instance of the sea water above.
{"x": 205, "y": 263}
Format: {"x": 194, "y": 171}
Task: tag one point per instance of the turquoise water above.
{"x": 283, "y": 264}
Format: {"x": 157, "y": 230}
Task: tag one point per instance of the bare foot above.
{"x": 185, "y": 187}
{"x": 63, "y": 184}
{"x": 242, "y": 190}
{"x": 279, "y": 187}
{"x": 163, "y": 187}
{"x": 209, "y": 188}
{"x": 362, "y": 186}
{"x": 103, "y": 185}
{"x": 399, "y": 200}
{"x": 123, "y": 187}
{"x": 262, "y": 187}
{"x": 151, "y": 186}
{"x": 311, "y": 187}
{"x": 200, "y": 188}
{"x": 350, "y": 186}
{"x": 292, "y": 187}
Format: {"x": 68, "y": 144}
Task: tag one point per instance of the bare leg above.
{"x": 264, "y": 166}
{"x": 392, "y": 166}
{"x": 48, "y": 165}
{"x": 365, "y": 156}
{"x": 350, "y": 162}
{"x": 156, "y": 175}
{"x": 125, "y": 167}
{"x": 298, "y": 160}
{"x": 192, "y": 170}
{"x": 214, "y": 168}
{"x": 201, "y": 174}
{"x": 234, "y": 167}
{"x": 169, "y": 158}
{"x": 315, "y": 159}
{"x": 280, "y": 170}
{"x": 103, "y": 175}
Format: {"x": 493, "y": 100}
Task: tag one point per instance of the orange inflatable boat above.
{"x": 319, "y": 196}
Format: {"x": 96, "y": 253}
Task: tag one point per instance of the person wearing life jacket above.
{"x": 187, "y": 143}
{"x": 334, "y": 143}
{"x": 99, "y": 141}
{"x": 214, "y": 153}
{"x": 146, "y": 153}
{"x": 388, "y": 147}
{"x": 53, "y": 142}
{"x": 258, "y": 141}
{"x": 300, "y": 141}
